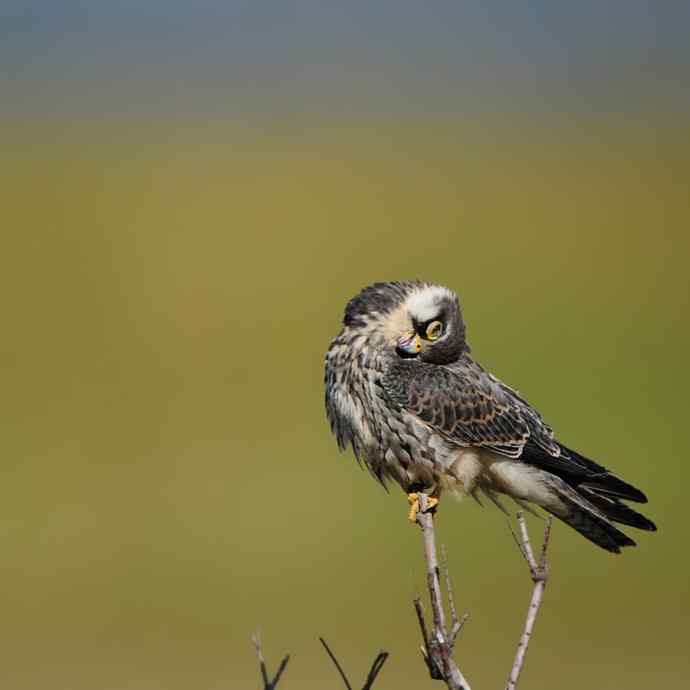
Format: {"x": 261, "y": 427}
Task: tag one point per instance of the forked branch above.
{"x": 268, "y": 683}
{"x": 539, "y": 573}
{"x": 439, "y": 640}
{"x": 371, "y": 676}
{"x": 437, "y": 649}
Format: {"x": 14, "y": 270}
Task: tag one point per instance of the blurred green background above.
{"x": 169, "y": 287}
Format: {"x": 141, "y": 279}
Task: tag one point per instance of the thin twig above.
{"x": 375, "y": 670}
{"x": 449, "y": 591}
{"x": 337, "y": 665}
{"x": 420, "y": 618}
{"x": 517, "y": 540}
{"x": 539, "y": 575}
{"x": 544, "y": 546}
{"x": 268, "y": 684}
{"x": 434, "y": 671}
{"x": 456, "y": 625}
{"x": 438, "y": 646}
{"x": 256, "y": 639}
{"x": 526, "y": 544}
{"x": 280, "y": 670}
{"x": 371, "y": 676}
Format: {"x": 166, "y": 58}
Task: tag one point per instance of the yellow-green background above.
{"x": 168, "y": 482}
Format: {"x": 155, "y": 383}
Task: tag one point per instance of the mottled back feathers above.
{"x": 468, "y": 406}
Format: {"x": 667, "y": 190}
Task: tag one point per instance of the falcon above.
{"x": 403, "y": 390}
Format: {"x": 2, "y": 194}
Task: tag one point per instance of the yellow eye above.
{"x": 434, "y": 330}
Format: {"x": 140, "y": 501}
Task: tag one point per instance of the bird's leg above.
{"x": 432, "y": 503}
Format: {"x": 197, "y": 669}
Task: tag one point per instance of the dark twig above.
{"x": 337, "y": 665}
{"x": 371, "y": 676}
{"x": 539, "y": 573}
{"x": 422, "y": 623}
{"x": 280, "y": 670}
{"x": 375, "y": 670}
{"x": 438, "y": 646}
{"x": 434, "y": 672}
{"x": 268, "y": 684}
{"x": 438, "y": 643}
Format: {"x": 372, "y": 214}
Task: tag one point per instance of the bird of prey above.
{"x": 404, "y": 391}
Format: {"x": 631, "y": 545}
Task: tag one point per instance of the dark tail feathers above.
{"x": 591, "y": 496}
{"x": 592, "y": 514}
{"x": 617, "y": 511}
{"x": 592, "y": 525}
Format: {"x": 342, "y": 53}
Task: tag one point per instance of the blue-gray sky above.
{"x": 90, "y": 59}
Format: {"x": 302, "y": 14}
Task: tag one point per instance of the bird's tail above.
{"x": 592, "y": 514}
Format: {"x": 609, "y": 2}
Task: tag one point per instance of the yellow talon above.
{"x": 414, "y": 507}
{"x": 413, "y": 498}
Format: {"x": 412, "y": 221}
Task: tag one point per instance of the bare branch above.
{"x": 371, "y": 676}
{"x": 337, "y": 665}
{"x": 280, "y": 670}
{"x": 539, "y": 575}
{"x": 434, "y": 671}
{"x": 524, "y": 540}
{"x": 449, "y": 590}
{"x": 256, "y": 639}
{"x": 457, "y": 627}
{"x": 517, "y": 540}
{"x": 375, "y": 670}
{"x": 438, "y": 640}
{"x": 420, "y": 618}
{"x": 545, "y": 545}
{"x": 438, "y": 646}
{"x": 268, "y": 684}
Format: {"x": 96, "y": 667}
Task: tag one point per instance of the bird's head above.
{"x": 410, "y": 320}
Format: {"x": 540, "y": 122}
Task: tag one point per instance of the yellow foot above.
{"x": 413, "y": 498}
{"x": 414, "y": 507}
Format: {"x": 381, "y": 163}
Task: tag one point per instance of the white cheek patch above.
{"x": 423, "y": 305}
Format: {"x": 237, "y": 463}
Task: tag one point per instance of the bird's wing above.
{"x": 468, "y": 406}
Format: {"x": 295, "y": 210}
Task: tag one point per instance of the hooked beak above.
{"x": 409, "y": 344}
